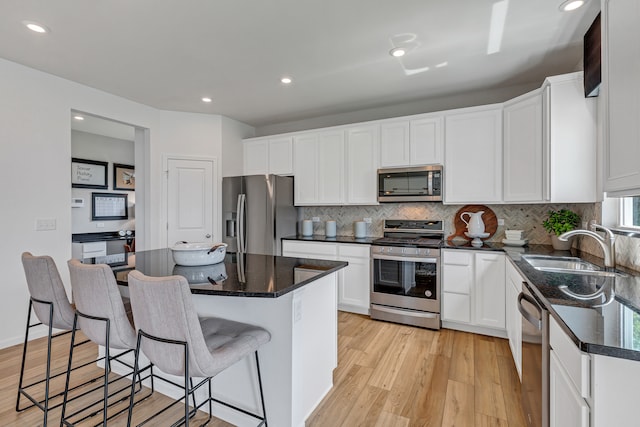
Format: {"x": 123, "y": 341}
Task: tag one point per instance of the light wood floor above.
{"x": 388, "y": 375}
{"x": 391, "y": 375}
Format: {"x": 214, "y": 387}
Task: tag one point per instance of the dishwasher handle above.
{"x": 537, "y": 322}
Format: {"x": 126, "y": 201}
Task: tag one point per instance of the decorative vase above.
{"x": 559, "y": 245}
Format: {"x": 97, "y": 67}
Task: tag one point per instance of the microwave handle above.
{"x": 430, "y": 183}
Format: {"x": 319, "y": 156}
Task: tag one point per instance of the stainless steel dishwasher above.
{"x": 535, "y": 358}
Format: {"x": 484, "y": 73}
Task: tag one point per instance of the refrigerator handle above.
{"x": 242, "y": 203}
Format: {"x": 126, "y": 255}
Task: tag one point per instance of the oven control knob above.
{"x": 428, "y": 293}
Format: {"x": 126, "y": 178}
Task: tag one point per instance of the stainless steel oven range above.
{"x": 405, "y": 286}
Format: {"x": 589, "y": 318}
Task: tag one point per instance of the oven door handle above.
{"x": 408, "y": 259}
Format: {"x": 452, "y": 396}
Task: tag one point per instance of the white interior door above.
{"x": 190, "y": 201}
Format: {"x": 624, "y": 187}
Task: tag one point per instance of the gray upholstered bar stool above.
{"x": 49, "y": 302}
{"x": 179, "y": 343}
{"x": 101, "y": 314}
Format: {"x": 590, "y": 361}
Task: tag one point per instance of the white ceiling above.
{"x": 168, "y": 54}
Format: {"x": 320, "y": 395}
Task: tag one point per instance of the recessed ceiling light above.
{"x": 35, "y": 27}
{"x": 78, "y": 118}
{"x": 397, "y": 52}
{"x": 286, "y": 80}
{"x": 442, "y": 64}
{"x": 206, "y": 99}
{"x": 570, "y": 5}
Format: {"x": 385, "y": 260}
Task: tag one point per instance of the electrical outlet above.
{"x": 315, "y": 219}
{"x": 100, "y": 225}
{"x": 367, "y": 220}
{"x": 500, "y": 221}
{"x": 45, "y": 224}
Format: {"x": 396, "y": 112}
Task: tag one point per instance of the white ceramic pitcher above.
{"x": 475, "y": 225}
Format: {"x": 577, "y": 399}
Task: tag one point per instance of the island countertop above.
{"x": 240, "y": 275}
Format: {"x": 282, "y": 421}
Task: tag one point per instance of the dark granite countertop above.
{"x": 248, "y": 275}
{"x": 337, "y": 239}
{"x": 600, "y": 314}
{"x": 99, "y": 237}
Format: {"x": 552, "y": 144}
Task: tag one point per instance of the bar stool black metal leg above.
{"x": 24, "y": 356}
{"x": 264, "y": 411}
{"x": 69, "y": 364}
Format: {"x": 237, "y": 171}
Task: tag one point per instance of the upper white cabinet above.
{"x": 337, "y": 166}
{"x": 319, "y": 168}
{"x": 621, "y": 68}
{"x": 570, "y": 140}
{"x": 414, "y": 142}
{"x": 473, "y": 155}
{"x": 268, "y": 156}
{"x": 362, "y": 165}
{"x": 523, "y": 153}
{"x": 550, "y": 144}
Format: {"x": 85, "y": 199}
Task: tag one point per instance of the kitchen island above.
{"x": 294, "y": 299}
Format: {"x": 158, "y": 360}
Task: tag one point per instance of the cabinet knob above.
{"x": 208, "y": 236}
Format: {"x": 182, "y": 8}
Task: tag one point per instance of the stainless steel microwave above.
{"x": 415, "y": 184}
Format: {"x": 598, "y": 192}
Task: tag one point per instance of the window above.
{"x": 630, "y": 212}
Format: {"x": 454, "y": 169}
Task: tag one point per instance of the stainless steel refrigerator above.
{"x": 257, "y": 211}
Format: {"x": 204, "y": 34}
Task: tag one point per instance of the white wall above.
{"x": 466, "y": 99}
{"x": 35, "y": 153}
{"x": 105, "y": 149}
{"x": 233, "y": 132}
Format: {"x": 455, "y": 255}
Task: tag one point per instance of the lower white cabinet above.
{"x": 88, "y": 250}
{"x": 569, "y": 380}
{"x": 566, "y": 407}
{"x": 513, "y": 319}
{"x": 473, "y": 291}
{"x": 354, "y": 281}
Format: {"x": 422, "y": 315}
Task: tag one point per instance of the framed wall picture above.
{"x": 88, "y": 174}
{"x": 109, "y": 206}
{"x": 124, "y": 177}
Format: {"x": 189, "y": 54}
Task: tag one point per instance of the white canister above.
{"x": 360, "y": 229}
{"x": 330, "y": 228}
{"x": 307, "y": 227}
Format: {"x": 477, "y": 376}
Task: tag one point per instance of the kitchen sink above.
{"x": 571, "y": 265}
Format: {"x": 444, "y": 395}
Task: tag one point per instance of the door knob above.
{"x": 208, "y": 236}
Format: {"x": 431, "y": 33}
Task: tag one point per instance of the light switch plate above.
{"x": 45, "y": 224}
{"x": 500, "y": 221}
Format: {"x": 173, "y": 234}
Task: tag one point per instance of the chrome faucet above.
{"x": 607, "y": 244}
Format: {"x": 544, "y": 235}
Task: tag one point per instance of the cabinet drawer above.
{"x": 92, "y": 247}
{"x": 575, "y": 362}
{"x": 457, "y": 257}
{"x": 355, "y": 251}
{"x": 310, "y": 248}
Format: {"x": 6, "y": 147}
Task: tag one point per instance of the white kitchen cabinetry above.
{"x": 569, "y": 380}
{"x": 353, "y": 281}
{"x": 319, "y": 168}
{"x": 473, "y": 155}
{"x": 513, "y": 319}
{"x": 336, "y": 167}
{"x": 412, "y": 142}
{"x": 362, "y": 165}
{"x": 473, "y": 291}
{"x": 567, "y": 408}
{"x": 523, "y": 154}
{"x": 550, "y": 144}
{"x": 88, "y": 250}
{"x": 570, "y": 141}
{"x": 268, "y": 156}
{"x": 621, "y": 68}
